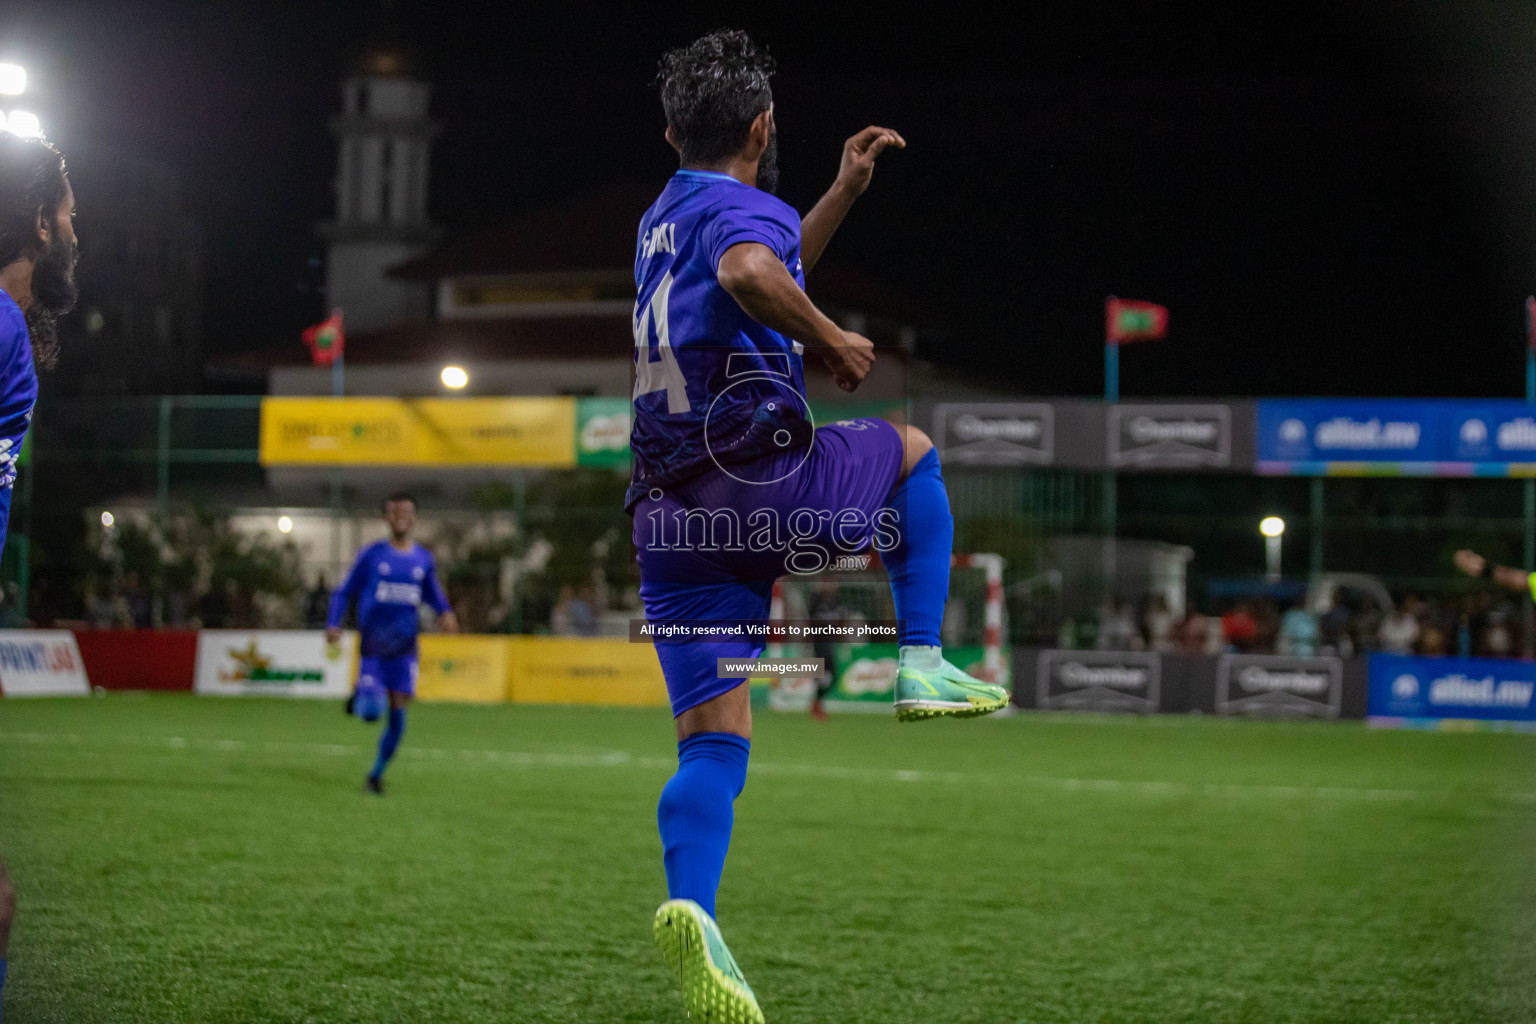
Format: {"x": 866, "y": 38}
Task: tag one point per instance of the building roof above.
{"x": 598, "y": 232}
{"x": 542, "y": 338}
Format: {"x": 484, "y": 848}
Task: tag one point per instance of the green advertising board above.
{"x": 865, "y": 674}
{"x": 602, "y": 431}
{"x": 602, "y": 425}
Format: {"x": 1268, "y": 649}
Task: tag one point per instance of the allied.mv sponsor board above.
{"x": 1123, "y": 681}
{"x": 1279, "y": 686}
{"x": 1396, "y": 436}
{"x": 273, "y": 663}
{"x": 1452, "y": 693}
{"x": 41, "y": 663}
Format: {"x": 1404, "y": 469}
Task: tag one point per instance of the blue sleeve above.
{"x": 349, "y": 590}
{"x": 18, "y": 395}
{"x": 751, "y": 216}
{"x": 432, "y": 590}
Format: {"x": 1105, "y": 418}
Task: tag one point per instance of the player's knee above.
{"x": 914, "y": 445}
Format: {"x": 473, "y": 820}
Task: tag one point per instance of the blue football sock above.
{"x": 2, "y": 984}
{"x": 695, "y": 814}
{"x": 919, "y": 563}
{"x": 389, "y": 741}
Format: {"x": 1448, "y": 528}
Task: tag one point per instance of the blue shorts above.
{"x": 397, "y": 675}
{"x": 712, "y": 547}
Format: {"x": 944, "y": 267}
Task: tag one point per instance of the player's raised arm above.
{"x": 1473, "y": 564}
{"x": 757, "y": 279}
{"x": 859, "y": 153}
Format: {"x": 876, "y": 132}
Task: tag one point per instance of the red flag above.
{"x": 1129, "y": 320}
{"x": 326, "y": 340}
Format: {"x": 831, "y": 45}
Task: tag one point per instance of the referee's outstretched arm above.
{"x": 1474, "y": 564}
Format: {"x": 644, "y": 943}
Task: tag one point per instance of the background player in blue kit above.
{"x": 38, "y": 251}
{"x": 732, "y": 486}
{"x": 389, "y": 582}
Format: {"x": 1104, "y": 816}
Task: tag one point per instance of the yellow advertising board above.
{"x": 540, "y": 670}
{"x": 578, "y": 670}
{"x": 418, "y": 431}
{"x": 472, "y": 669}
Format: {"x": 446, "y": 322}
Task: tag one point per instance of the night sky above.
{"x": 1332, "y": 198}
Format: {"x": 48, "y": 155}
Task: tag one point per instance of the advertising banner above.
{"x": 1079, "y": 434}
{"x": 1123, "y": 681}
{"x": 1428, "y": 693}
{"x": 472, "y": 669}
{"x": 423, "y": 431}
{"x": 1169, "y": 436}
{"x": 995, "y": 434}
{"x": 41, "y": 663}
{"x": 1407, "y": 437}
{"x": 1279, "y": 686}
{"x": 602, "y": 431}
{"x": 1353, "y": 430}
{"x": 273, "y": 663}
{"x": 571, "y": 670}
{"x": 1493, "y": 432}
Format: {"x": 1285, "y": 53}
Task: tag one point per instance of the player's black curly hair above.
{"x": 31, "y": 182}
{"x": 712, "y": 90}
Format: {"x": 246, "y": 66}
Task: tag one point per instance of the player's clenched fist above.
{"x": 850, "y": 360}
{"x": 859, "y": 155}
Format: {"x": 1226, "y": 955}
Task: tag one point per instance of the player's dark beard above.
{"x": 53, "y": 294}
{"x": 768, "y": 165}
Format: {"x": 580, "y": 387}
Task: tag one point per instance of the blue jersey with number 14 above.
{"x": 713, "y": 387}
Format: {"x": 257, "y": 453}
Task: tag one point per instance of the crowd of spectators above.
{"x": 1484, "y": 624}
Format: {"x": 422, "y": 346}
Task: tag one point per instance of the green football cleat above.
{"x": 927, "y": 686}
{"x": 713, "y": 987}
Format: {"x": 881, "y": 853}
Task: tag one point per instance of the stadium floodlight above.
{"x": 23, "y": 123}
{"x": 13, "y": 80}
{"x": 454, "y": 377}
{"x": 284, "y": 524}
{"x": 107, "y": 520}
{"x": 1272, "y": 527}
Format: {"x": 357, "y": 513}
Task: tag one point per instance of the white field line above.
{"x": 596, "y": 758}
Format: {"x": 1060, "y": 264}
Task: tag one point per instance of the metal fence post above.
{"x": 1315, "y": 565}
{"x": 163, "y": 458}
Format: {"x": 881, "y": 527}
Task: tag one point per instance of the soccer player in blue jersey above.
{"x": 38, "y": 251}
{"x": 388, "y": 582}
{"x": 732, "y": 485}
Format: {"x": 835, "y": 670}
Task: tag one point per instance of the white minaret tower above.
{"x": 384, "y": 138}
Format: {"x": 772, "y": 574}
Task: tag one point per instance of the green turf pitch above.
{"x": 202, "y": 860}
